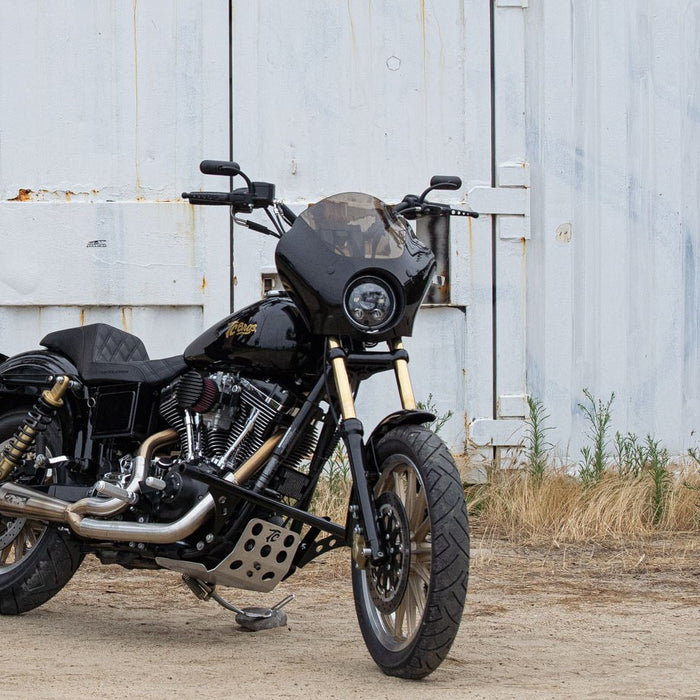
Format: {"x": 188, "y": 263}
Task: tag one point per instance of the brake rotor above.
{"x": 388, "y": 579}
{"x": 9, "y": 529}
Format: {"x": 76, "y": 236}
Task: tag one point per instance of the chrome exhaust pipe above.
{"x": 19, "y": 501}
{"x": 112, "y": 506}
{"x": 149, "y": 533}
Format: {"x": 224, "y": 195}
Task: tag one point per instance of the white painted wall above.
{"x": 106, "y": 109}
{"x": 613, "y": 138}
{"x": 376, "y": 97}
{"x": 105, "y": 112}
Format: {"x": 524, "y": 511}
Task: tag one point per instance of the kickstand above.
{"x": 252, "y": 619}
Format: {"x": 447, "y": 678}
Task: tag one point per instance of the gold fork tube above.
{"x": 342, "y": 383}
{"x": 403, "y": 379}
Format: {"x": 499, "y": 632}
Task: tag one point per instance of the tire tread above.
{"x": 450, "y": 559}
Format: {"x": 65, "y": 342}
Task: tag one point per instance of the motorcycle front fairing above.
{"x": 342, "y": 240}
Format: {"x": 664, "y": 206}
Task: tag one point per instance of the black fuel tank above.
{"x": 268, "y": 340}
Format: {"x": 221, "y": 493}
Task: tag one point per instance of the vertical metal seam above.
{"x": 494, "y": 295}
{"x": 230, "y": 152}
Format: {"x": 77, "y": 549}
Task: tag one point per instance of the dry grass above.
{"x": 555, "y": 519}
{"x": 559, "y": 508}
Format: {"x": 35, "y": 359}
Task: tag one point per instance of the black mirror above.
{"x": 442, "y": 182}
{"x": 445, "y": 182}
{"x": 220, "y": 167}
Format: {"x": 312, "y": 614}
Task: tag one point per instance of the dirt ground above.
{"x": 583, "y": 622}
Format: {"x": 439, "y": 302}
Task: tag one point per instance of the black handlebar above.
{"x": 211, "y": 198}
{"x": 412, "y": 208}
{"x": 259, "y": 196}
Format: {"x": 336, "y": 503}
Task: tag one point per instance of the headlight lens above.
{"x": 370, "y": 303}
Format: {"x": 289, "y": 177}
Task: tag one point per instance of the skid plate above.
{"x": 259, "y": 561}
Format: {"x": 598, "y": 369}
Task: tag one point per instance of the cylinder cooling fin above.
{"x": 196, "y": 393}
{"x": 223, "y": 416}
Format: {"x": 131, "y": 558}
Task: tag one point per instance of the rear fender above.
{"x": 23, "y": 377}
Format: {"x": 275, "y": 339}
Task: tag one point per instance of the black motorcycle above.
{"x": 206, "y": 463}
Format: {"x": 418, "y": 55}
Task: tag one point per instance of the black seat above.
{"x": 104, "y": 354}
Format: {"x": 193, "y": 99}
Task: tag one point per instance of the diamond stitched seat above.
{"x": 103, "y": 354}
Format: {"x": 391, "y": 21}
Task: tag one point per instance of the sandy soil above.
{"x": 564, "y": 622}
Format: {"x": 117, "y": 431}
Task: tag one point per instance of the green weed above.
{"x": 537, "y": 448}
{"x": 430, "y": 407}
{"x": 595, "y": 458}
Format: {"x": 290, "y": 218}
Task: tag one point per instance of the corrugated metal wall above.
{"x": 575, "y": 124}
{"x": 105, "y": 111}
{"x": 376, "y": 97}
{"x": 613, "y": 130}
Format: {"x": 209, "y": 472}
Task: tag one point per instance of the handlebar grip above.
{"x": 211, "y": 198}
{"x": 220, "y": 167}
{"x": 464, "y": 212}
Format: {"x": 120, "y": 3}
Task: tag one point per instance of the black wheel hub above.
{"x": 388, "y": 579}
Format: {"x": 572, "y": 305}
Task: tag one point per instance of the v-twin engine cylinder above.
{"x": 223, "y": 417}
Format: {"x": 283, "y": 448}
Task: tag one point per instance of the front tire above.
{"x": 36, "y": 558}
{"x": 409, "y": 607}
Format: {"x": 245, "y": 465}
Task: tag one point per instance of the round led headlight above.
{"x": 370, "y": 303}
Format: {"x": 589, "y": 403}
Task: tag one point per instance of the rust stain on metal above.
{"x": 204, "y": 283}
{"x": 24, "y": 195}
{"x": 127, "y": 318}
{"x": 352, "y": 29}
{"x": 82, "y": 317}
{"x": 27, "y": 195}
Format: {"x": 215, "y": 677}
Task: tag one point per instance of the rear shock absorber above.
{"x": 38, "y": 419}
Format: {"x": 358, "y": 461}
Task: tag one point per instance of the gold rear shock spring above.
{"x": 37, "y": 420}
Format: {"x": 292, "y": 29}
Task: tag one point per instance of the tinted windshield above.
{"x": 357, "y": 225}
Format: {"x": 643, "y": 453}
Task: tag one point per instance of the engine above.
{"x": 222, "y": 420}
{"x": 223, "y": 417}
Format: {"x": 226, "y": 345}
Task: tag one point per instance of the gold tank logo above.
{"x": 241, "y": 328}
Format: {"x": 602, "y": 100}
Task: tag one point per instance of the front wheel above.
{"x": 410, "y": 605}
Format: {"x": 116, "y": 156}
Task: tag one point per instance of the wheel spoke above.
{"x": 5, "y": 554}
{"x": 419, "y": 592}
{"x": 417, "y": 510}
{"x": 411, "y": 484}
{"x": 420, "y": 571}
{"x": 385, "y": 483}
{"x": 29, "y": 535}
{"x": 392, "y": 624}
{"x": 421, "y": 532}
{"x": 400, "y": 486}
{"x": 20, "y": 545}
{"x": 410, "y": 603}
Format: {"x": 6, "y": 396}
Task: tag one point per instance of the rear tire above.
{"x": 36, "y": 558}
{"x": 409, "y": 608}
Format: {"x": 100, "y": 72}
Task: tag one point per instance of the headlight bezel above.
{"x": 388, "y": 303}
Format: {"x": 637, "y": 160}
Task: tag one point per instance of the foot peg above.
{"x": 253, "y": 619}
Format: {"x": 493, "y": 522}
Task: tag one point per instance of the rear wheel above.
{"x": 36, "y": 558}
{"x": 409, "y": 606}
